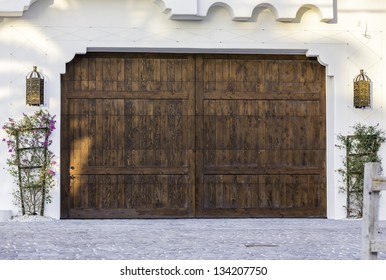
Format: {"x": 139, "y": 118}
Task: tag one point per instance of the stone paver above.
{"x": 190, "y": 239}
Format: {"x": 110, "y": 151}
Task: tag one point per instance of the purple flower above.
{"x": 51, "y": 172}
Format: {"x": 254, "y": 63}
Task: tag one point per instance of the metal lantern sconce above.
{"x": 35, "y": 88}
{"x": 362, "y": 91}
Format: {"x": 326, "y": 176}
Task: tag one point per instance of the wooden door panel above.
{"x": 140, "y": 193}
{"x": 234, "y": 139}
{"x": 130, "y": 150}
{"x": 158, "y": 134}
{"x": 261, "y": 191}
{"x": 263, "y": 137}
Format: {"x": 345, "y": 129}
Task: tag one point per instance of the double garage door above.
{"x": 183, "y": 135}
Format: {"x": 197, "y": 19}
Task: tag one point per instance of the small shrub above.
{"x": 30, "y": 161}
{"x": 361, "y": 147}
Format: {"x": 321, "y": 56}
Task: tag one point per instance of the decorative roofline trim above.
{"x": 14, "y": 8}
{"x": 244, "y": 10}
{"x": 241, "y": 10}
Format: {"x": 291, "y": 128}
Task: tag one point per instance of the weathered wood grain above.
{"x": 183, "y": 135}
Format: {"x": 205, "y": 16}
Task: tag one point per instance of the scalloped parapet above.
{"x": 14, "y": 8}
{"x": 243, "y": 10}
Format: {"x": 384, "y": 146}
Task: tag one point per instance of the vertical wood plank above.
{"x": 121, "y": 86}
{"x": 84, "y": 74}
{"x": 99, "y": 136}
{"x": 91, "y": 74}
{"x": 99, "y": 74}
{"x": 92, "y": 132}
{"x": 370, "y": 208}
{"x": 199, "y": 108}
{"x": 92, "y": 192}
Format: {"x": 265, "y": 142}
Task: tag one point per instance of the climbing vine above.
{"x": 361, "y": 147}
{"x": 30, "y": 161}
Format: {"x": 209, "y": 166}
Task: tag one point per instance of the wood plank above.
{"x": 92, "y": 195}
{"x": 121, "y": 200}
{"x": 76, "y": 131}
{"x": 262, "y": 212}
{"x": 370, "y": 211}
{"x": 106, "y": 132}
{"x": 160, "y": 95}
{"x": 117, "y": 170}
{"x": 92, "y": 132}
{"x": 378, "y": 184}
{"x": 371, "y": 245}
{"x": 84, "y": 131}
{"x": 378, "y": 246}
{"x": 114, "y": 191}
{"x": 84, "y": 192}
{"x": 65, "y": 147}
{"x": 258, "y": 170}
{"x": 120, "y": 131}
{"x": 110, "y": 74}
{"x": 106, "y": 191}
{"x": 91, "y": 74}
{"x": 128, "y": 213}
{"x": 98, "y": 76}
{"x": 77, "y": 75}
{"x": 199, "y": 128}
{"x": 99, "y": 128}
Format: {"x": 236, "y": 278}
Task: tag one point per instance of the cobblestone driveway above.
{"x": 190, "y": 239}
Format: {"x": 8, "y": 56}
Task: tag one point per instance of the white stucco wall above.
{"x": 48, "y": 33}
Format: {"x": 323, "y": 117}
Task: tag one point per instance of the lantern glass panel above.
{"x": 362, "y": 91}
{"x": 34, "y": 88}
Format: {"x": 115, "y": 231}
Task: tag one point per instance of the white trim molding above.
{"x": 241, "y": 10}
{"x": 244, "y": 10}
{"x": 14, "y": 8}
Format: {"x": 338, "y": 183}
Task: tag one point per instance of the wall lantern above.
{"x": 35, "y": 88}
{"x": 362, "y": 91}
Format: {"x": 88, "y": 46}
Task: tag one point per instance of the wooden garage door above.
{"x": 261, "y": 131}
{"x": 127, "y": 138}
{"x": 161, "y": 135}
